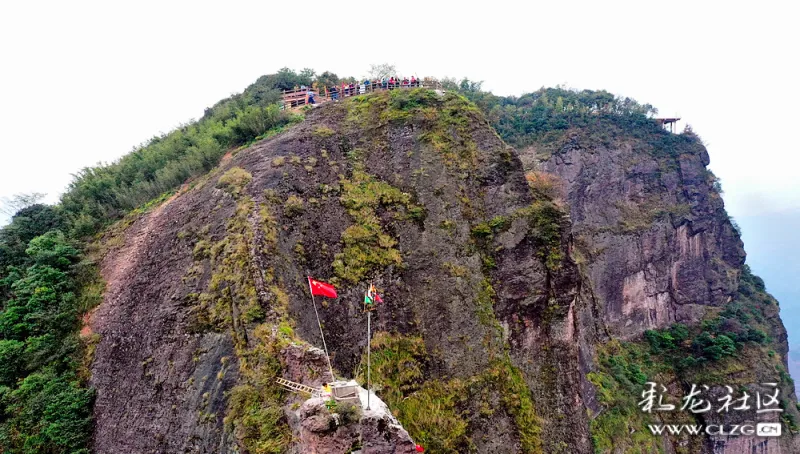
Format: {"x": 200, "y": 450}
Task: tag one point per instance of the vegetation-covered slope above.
{"x": 44, "y": 404}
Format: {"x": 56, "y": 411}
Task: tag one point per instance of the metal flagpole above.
{"x": 369, "y": 320}
{"x": 333, "y": 377}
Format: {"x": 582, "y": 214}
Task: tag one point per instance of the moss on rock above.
{"x": 367, "y": 246}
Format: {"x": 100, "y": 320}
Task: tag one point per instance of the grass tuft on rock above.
{"x": 234, "y": 181}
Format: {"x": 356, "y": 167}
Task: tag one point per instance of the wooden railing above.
{"x": 300, "y": 97}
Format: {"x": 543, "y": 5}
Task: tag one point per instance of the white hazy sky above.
{"x": 82, "y": 82}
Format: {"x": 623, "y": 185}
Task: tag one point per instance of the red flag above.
{"x": 321, "y": 288}
{"x": 419, "y": 448}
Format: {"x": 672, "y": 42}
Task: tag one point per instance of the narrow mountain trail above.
{"x": 119, "y": 263}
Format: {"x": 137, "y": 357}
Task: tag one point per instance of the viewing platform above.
{"x": 668, "y": 123}
{"x": 294, "y": 99}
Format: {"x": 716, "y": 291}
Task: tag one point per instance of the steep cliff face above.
{"x": 659, "y": 246}
{"x": 657, "y": 249}
{"x": 509, "y": 280}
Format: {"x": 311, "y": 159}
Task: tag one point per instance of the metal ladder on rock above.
{"x": 299, "y": 388}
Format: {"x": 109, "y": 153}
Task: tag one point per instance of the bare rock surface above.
{"x": 660, "y": 246}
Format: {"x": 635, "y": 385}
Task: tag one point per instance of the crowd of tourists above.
{"x": 367, "y": 86}
{"x": 351, "y": 89}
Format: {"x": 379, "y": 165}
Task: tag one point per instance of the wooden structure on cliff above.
{"x": 299, "y": 387}
{"x": 668, "y": 123}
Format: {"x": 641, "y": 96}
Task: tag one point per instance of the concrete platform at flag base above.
{"x": 351, "y": 392}
{"x": 318, "y": 429}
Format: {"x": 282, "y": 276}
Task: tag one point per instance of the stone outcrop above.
{"x": 322, "y": 431}
{"x": 160, "y": 387}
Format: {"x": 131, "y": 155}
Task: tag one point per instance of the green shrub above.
{"x": 323, "y": 132}
{"x": 99, "y": 195}
{"x": 254, "y": 121}
{"x": 713, "y": 348}
{"x": 436, "y": 412}
{"x": 430, "y": 411}
{"x": 52, "y": 249}
{"x": 397, "y": 363}
{"x": 349, "y": 413}
{"x": 293, "y": 206}
{"x": 433, "y": 416}
{"x": 202, "y": 250}
{"x": 544, "y": 227}
{"x": 234, "y": 181}
{"x": 711, "y": 353}
{"x": 11, "y": 361}
{"x": 44, "y": 406}
{"x": 481, "y": 230}
{"x": 448, "y": 224}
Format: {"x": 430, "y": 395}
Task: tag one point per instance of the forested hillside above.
{"x": 47, "y": 281}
